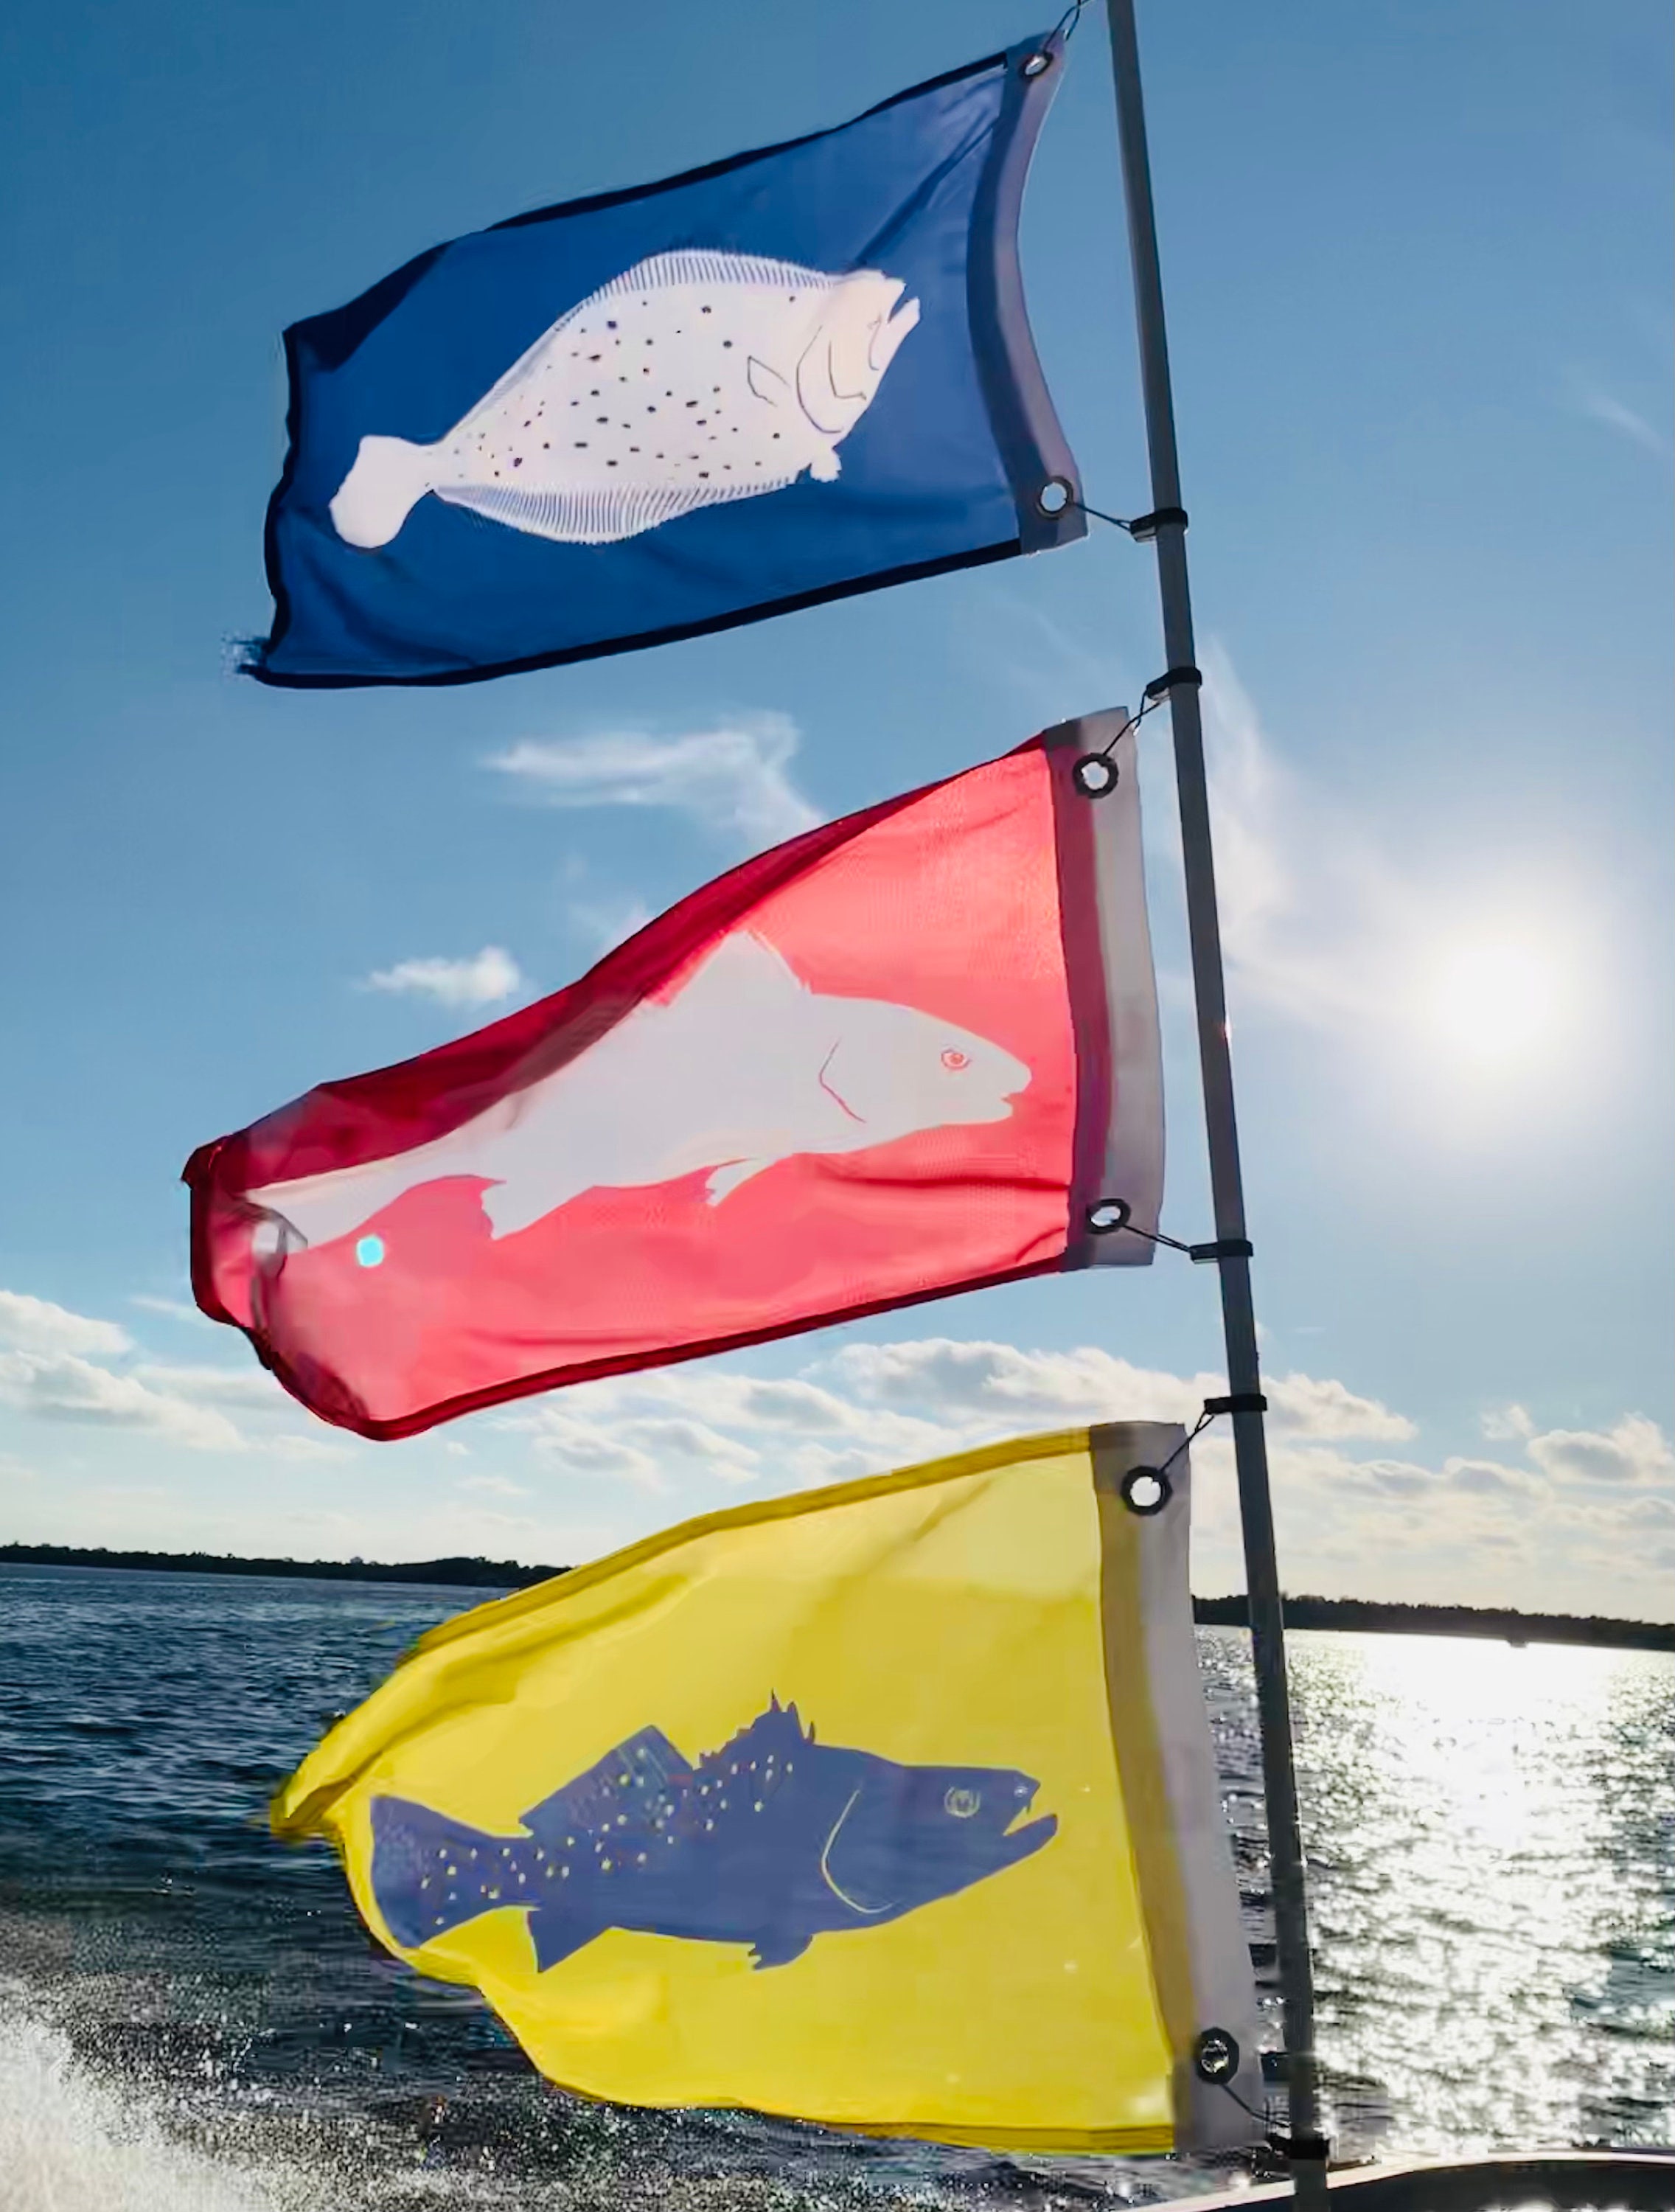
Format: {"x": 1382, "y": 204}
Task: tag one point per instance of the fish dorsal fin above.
{"x": 637, "y": 1784}
{"x": 778, "y": 1730}
{"x": 662, "y": 270}
{"x": 744, "y": 969}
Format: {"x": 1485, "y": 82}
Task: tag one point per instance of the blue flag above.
{"x": 789, "y": 376}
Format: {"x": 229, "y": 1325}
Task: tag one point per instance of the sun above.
{"x": 1497, "y": 998}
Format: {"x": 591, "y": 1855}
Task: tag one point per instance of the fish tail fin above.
{"x": 557, "y": 1934}
{"x": 423, "y": 1877}
{"x": 390, "y": 477}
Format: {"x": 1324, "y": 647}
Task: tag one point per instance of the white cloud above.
{"x": 1556, "y": 1521}
{"x": 305, "y": 1448}
{"x": 29, "y": 1324}
{"x": 1308, "y": 1406}
{"x": 1653, "y": 1513}
{"x": 64, "y": 1386}
{"x": 1490, "y": 1478}
{"x": 572, "y": 1444}
{"x": 791, "y": 1421}
{"x": 489, "y": 976}
{"x": 1309, "y": 907}
{"x": 57, "y": 1365}
{"x": 734, "y": 781}
{"x": 1565, "y": 1520}
{"x": 172, "y": 1309}
{"x": 1635, "y": 1451}
{"x": 1602, "y": 406}
{"x": 677, "y": 1436}
{"x": 967, "y": 1382}
{"x": 1397, "y": 1477}
{"x": 250, "y": 1388}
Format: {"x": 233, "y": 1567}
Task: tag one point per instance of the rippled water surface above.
{"x": 192, "y": 2019}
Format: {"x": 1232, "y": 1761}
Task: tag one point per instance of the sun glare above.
{"x": 1495, "y": 1000}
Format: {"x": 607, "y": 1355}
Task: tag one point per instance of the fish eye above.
{"x": 956, "y": 1058}
{"x": 961, "y": 1803}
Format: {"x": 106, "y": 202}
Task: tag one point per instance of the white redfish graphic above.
{"x": 743, "y": 1067}
{"x": 691, "y": 379}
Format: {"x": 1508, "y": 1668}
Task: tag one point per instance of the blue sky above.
{"x": 1416, "y": 259}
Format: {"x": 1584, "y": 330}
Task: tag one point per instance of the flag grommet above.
{"x": 1035, "y": 64}
{"x": 1095, "y": 775}
{"x": 1107, "y": 1215}
{"x": 1055, "y": 497}
{"x": 1216, "y": 2055}
{"x": 1146, "y": 1490}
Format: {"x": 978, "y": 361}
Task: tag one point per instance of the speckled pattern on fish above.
{"x": 768, "y": 1841}
{"x": 690, "y": 379}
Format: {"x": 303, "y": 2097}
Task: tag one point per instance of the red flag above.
{"x": 903, "y": 1054}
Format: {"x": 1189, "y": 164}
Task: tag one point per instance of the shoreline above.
{"x": 1355, "y": 1616}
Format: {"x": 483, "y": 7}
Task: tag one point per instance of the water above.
{"x": 192, "y": 2021}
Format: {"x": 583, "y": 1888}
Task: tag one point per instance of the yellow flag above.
{"x": 889, "y": 1806}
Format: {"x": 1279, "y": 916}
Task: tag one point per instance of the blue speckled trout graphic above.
{"x": 769, "y": 1842}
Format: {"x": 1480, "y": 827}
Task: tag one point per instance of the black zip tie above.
{"x": 1172, "y": 677}
{"x": 1222, "y": 1248}
{"x": 1141, "y": 528}
{"x": 1292, "y": 2148}
{"x": 1242, "y": 1402}
{"x": 1144, "y": 528}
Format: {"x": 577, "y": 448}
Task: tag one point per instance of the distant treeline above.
{"x": 468, "y": 1574}
{"x": 1361, "y": 1614}
{"x": 1358, "y": 1614}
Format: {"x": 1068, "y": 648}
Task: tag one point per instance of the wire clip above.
{"x": 1292, "y": 2148}
{"x": 1173, "y": 678}
{"x": 1144, "y": 528}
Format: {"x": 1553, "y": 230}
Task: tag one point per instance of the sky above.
{"x": 1415, "y": 261}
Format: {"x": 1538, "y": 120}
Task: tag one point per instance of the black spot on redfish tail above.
{"x": 425, "y": 1872}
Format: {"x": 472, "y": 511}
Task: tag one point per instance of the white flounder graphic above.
{"x": 691, "y": 379}
{"x": 743, "y": 1067}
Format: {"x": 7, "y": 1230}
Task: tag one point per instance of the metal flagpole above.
{"x": 1167, "y": 526}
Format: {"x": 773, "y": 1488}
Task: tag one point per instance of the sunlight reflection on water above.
{"x": 1491, "y": 1835}
{"x": 1493, "y": 1846}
